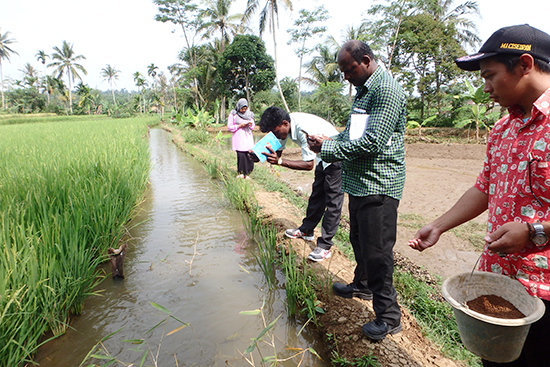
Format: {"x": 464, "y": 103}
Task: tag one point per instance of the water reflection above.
{"x": 189, "y": 256}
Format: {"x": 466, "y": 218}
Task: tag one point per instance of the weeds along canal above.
{"x": 190, "y": 256}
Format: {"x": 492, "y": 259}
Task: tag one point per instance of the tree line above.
{"x": 223, "y": 59}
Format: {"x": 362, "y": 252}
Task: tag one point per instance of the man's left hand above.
{"x": 511, "y": 237}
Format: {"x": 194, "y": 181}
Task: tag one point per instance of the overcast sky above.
{"x": 124, "y": 34}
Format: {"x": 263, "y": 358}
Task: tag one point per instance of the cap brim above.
{"x": 471, "y": 62}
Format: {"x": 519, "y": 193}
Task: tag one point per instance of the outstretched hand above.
{"x": 426, "y": 236}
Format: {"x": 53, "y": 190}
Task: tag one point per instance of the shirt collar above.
{"x": 543, "y": 103}
{"x": 369, "y": 82}
{"x": 293, "y": 130}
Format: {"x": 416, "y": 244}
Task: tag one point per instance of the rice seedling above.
{"x": 240, "y": 193}
{"x": 266, "y": 252}
{"x": 68, "y": 188}
{"x": 299, "y": 287}
{"x": 101, "y": 352}
{"x": 257, "y": 342}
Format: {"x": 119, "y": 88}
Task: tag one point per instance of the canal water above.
{"x": 190, "y": 255}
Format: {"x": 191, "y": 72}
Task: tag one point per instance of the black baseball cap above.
{"x": 517, "y": 39}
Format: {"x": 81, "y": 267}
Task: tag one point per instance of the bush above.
{"x": 196, "y": 136}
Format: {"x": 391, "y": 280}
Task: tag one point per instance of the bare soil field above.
{"x": 437, "y": 175}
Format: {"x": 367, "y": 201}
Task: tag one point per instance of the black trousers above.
{"x": 245, "y": 165}
{"x": 536, "y": 351}
{"x": 325, "y": 202}
{"x": 373, "y": 231}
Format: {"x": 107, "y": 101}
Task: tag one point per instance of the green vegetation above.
{"x": 221, "y": 61}
{"x": 100, "y": 351}
{"x": 422, "y": 299}
{"x": 68, "y": 189}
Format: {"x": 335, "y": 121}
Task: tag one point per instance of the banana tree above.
{"x": 480, "y": 109}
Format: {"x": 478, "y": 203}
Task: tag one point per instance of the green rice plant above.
{"x": 212, "y": 169}
{"x": 266, "y": 252}
{"x": 101, "y": 352}
{"x": 239, "y": 192}
{"x": 434, "y": 316}
{"x": 255, "y": 345}
{"x": 69, "y": 186}
{"x": 299, "y": 287}
{"x": 12, "y": 119}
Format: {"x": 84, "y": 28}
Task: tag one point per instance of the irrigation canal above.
{"x": 192, "y": 256}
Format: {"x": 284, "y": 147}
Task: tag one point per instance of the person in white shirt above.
{"x": 325, "y": 201}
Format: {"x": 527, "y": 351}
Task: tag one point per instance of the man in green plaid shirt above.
{"x": 372, "y": 152}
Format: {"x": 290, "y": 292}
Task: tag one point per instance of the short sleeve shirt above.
{"x": 516, "y": 178}
{"x": 312, "y": 124}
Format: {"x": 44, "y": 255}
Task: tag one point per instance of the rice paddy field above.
{"x": 68, "y": 186}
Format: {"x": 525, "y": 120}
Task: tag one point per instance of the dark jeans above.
{"x": 373, "y": 231}
{"x": 536, "y": 351}
{"x": 325, "y": 202}
{"x": 245, "y": 165}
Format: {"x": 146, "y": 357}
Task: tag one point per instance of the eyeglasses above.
{"x": 530, "y": 184}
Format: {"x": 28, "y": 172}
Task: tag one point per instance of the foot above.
{"x": 297, "y": 233}
{"x": 319, "y": 254}
{"x": 351, "y": 290}
{"x": 240, "y": 176}
{"x": 378, "y": 329}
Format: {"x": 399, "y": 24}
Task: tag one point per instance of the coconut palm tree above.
{"x": 323, "y": 68}
{"x": 41, "y": 57}
{"x": 216, "y": 18}
{"x": 5, "y": 52}
{"x": 110, "y": 74}
{"x": 140, "y": 83}
{"x": 66, "y": 64}
{"x": 30, "y": 74}
{"x": 443, "y": 11}
{"x": 152, "y": 72}
{"x": 269, "y": 15}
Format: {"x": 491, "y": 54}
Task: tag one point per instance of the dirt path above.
{"x": 437, "y": 175}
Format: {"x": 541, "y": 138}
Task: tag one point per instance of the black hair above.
{"x": 357, "y": 50}
{"x": 512, "y": 60}
{"x": 272, "y": 117}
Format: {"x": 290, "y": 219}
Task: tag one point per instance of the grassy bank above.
{"x": 68, "y": 186}
{"x": 421, "y": 298}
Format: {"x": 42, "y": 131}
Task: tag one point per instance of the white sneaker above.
{"x": 296, "y": 233}
{"x": 319, "y": 254}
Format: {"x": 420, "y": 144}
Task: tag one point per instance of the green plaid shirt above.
{"x": 375, "y": 163}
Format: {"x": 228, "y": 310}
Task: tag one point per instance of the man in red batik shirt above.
{"x": 514, "y": 184}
